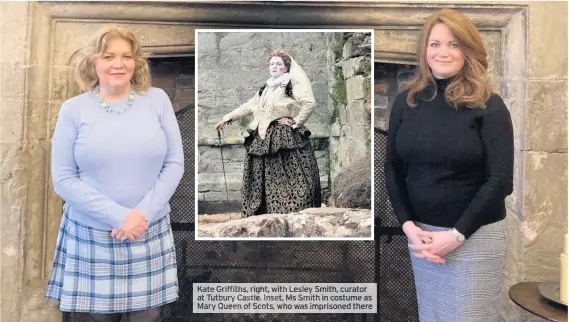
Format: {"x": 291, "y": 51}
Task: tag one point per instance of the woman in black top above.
{"x": 449, "y": 168}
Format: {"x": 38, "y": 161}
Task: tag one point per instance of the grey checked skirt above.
{"x": 466, "y": 288}
{"x": 92, "y": 272}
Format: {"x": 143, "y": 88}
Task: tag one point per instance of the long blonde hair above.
{"x": 84, "y": 59}
{"x": 470, "y": 87}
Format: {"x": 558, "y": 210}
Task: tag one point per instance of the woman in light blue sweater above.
{"x": 117, "y": 159}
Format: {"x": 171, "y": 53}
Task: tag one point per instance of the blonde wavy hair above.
{"x": 282, "y": 54}
{"x": 83, "y": 59}
{"x": 470, "y": 87}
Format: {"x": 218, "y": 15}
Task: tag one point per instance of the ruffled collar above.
{"x": 281, "y": 80}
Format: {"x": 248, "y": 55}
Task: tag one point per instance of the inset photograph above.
{"x": 284, "y": 134}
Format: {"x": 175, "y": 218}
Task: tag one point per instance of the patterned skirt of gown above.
{"x": 280, "y": 172}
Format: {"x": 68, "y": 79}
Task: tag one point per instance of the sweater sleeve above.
{"x": 497, "y": 136}
{"x": 395, "y": 174}
{"x": 173, "y": 169}
{"x": 65, "y": 175}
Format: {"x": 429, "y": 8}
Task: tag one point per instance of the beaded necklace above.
{"x": 106, "y": 107}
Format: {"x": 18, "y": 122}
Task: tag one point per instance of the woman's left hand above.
{"x": 443, "y": 242}
{"x": 115, "y": 234}
{"x": 286, "y": 121}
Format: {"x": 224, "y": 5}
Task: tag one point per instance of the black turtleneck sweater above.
{"x": 446, "y": 166}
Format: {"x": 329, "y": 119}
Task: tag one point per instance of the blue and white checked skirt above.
{"x": 93, "y": 272}
{"x": 466, "y": 288}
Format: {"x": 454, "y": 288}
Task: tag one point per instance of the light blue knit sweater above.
{"x": 103, "y": 164}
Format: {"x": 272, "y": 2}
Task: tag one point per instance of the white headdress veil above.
{"x": 302, "y": 91}
{"x": 300, "y": 83}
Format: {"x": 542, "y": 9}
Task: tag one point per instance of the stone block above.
{"x": 493, "y": 43}
{"x": 322, "y": 158}
{"x": 60, "y": 81}
{"x": 233, "y": 39}
{"x": 356, "y": 66}
{"x": 216, "y": 166}
{"x": 515, "y": 201}
{"x": 12, "y": 207}
{"x": 352, "y": 186}
{"x": 13, "y": 27}
{"x": 35, "y": 307}
{"x": 357, "y": 114}
{"x": 335, "y": 130}
{"x": 320, "y": 91}
{"x": 13, "y": 81}
{"x": 341, "y": 114}
{"x": 33, "y": 159}
{"x": 548, "y": 40}
{"x": 218, "y": 196}
{"x": 323, "y": 180}
{"x": 305, "y": 37}
{"x": 53, "y": 116}
{"x": 206, "y": 43}
{"x": 215, "y": 182}
{"x": 353, "y": 143}
{"x": 68, "y": 37}
{"x": 517, "y": 104}
{"x": 358, "y": 87}
{"x": 545, "y": 195}
{"x": 547, "y": 116}
{"x": 358, "y": 45}
{"x": 12, "y": 120}
{"x": 38, "y": 77}
{"x": 168, "y": 34}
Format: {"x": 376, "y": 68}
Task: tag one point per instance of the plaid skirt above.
{"x": 466, "y": 288}
{"x": 93, "y": 272}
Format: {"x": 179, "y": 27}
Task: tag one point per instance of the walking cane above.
{"x": 222, "y": 163}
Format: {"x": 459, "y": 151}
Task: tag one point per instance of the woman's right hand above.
{"x": 412, "y": 232}
{"x": 133, "y": 226}
{"x": 220, "y": 125}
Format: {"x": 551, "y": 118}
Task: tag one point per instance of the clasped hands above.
{"x": 430, "y": 245}
{"x": 133, "y": 226}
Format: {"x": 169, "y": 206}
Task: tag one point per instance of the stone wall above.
{"x": 349, "y": 74}
{"x": 231, "y": 69}
{"x": 537, "y": 216}
{"x": 21, "y": 263}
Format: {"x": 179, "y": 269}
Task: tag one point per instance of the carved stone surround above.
{"x": 167, "y": 29}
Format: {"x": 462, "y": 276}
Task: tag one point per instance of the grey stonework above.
{"x": 233, "y": 66}
{"x": 349, "y": 61}
{"x": 388, "y": 82}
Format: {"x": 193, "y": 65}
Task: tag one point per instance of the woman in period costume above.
{"x": 280, "y": 173}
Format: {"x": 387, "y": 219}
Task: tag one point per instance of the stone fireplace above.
{"x": 528, "y": 66}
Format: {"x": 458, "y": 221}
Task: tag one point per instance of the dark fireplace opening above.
{"x": 176, "y": 76}
{"x": 396, "y": 287}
